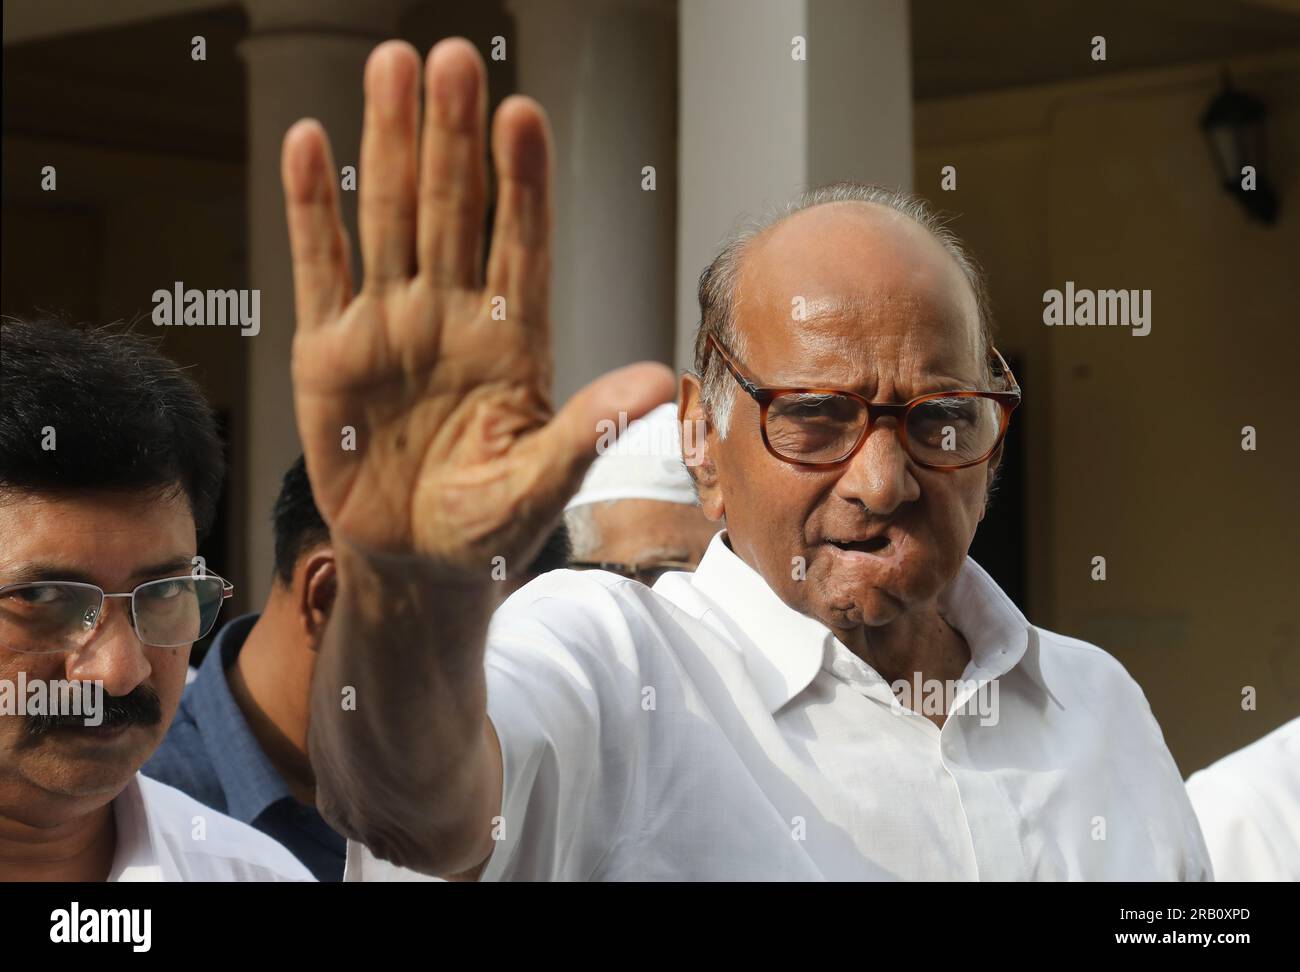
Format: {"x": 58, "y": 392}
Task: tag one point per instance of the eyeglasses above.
{"x": 825, "y": 426}
{"x": 43, "y": 617}
{"x": 646, "y": 573}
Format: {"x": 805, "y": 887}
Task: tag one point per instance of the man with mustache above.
{"x": 140, "y": 707}
{"x": 110, "y": 467}
{"x": 743, "y": 722}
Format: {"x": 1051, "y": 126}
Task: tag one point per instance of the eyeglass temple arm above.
{"x": 1006, "y": 370}
{"x": 712, "y": 344}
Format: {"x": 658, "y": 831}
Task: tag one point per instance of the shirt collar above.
{"x": 783, "y": 649}
{"x": 136, "y": 856}
{"x": 997, "y": 633}
{"x": 249, "y": 780}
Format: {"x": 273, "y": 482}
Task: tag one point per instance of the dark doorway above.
{"x": 999, "y": 545}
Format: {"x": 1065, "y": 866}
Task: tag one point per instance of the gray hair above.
{"x": 584, "y": 533}
{"x": 719, "y": 283}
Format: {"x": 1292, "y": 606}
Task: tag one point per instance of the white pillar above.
{"x": 758, "y": 126}
{"x": 304, "y": 58}
{"x": 605, "y": 71}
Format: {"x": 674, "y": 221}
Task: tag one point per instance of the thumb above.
{"x": 630, "y": 391}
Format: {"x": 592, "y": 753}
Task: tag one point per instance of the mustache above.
{"x": 139, "y": 707}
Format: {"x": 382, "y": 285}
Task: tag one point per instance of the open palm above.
{"x": 423, "y": 401}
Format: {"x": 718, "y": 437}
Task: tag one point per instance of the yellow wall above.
{"x": 1135, "y": 442}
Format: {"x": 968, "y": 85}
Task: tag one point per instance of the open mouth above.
{"x": 869, "y": 546}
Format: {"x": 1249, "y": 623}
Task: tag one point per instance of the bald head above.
{"x": 844, "y": 249}
{"x": 854, "y": 259}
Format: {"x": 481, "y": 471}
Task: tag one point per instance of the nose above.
{"x": 879, "y": 475}
{"x": 114, "y": 655}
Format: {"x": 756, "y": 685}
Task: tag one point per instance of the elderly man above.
{"x": 738, "y": 723}
{"x": 637, "y": 513}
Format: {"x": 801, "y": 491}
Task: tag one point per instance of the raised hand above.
{"x": 458, "y": 456}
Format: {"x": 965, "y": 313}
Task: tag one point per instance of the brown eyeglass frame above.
{"x": 764, "y": 395}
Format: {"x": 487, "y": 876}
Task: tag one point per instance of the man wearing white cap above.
{"x": 636, "y": 513}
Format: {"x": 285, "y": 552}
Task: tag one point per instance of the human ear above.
{"x": 316, "y": 593}
{"x": 699, "y": 440}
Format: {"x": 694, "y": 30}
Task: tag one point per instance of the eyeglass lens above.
{"x": 61, "y": 616}
{"x": 809, "y": 427}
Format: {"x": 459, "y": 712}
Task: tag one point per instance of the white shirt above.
{"x": 165, "y": 835}
{"x": 1249, "y": 807}
{"x": 707, "y": 731}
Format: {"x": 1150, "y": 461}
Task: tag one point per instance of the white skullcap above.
{"x": 644, "y": 463}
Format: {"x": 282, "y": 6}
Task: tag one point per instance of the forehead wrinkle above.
{"x": 903, "y": 270}
{"x": 838, "y": 347}
{"x": 918, "y": 308}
